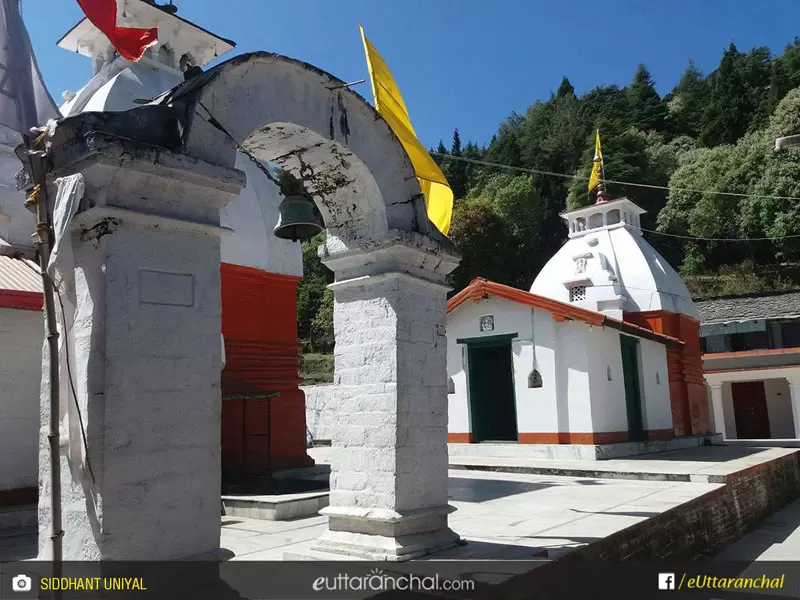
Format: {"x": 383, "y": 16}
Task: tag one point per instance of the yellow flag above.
{"x": 390, "y": 104}
{"x": 594, "y": 180}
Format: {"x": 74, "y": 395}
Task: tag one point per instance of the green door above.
{"x": 493, "y": 411}
{"x": 633, "y": 394}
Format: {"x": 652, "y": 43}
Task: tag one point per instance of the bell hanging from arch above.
{"x": 297, "y": 218}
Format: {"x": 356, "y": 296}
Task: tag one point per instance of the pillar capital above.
{"x": 400, "y": 252}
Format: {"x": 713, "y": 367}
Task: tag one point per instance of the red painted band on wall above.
{"x": 21, "y": 300}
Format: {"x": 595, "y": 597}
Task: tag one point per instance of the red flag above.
{"x": 130, "y": 42}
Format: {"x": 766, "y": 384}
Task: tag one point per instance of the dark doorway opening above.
{"x": 493, "y": 408}
{"x": 633, "y": 389}
{"x": 750, "y": 410}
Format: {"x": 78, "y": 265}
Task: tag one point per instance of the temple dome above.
{"x": 607, "y": 265}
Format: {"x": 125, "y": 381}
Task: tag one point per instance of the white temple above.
{"x": 603, "y": 351}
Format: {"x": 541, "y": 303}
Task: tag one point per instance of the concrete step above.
{"x": 23, "y": 517}
{"x": 281, "y": 507}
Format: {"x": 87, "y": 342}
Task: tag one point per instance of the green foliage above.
{"x": 711, "y": 133}
{"x": 478, "y": 231}
{"x": 317, "y": 368}
{"x": 322, "y": 324}
{"x": 312, "y": 287}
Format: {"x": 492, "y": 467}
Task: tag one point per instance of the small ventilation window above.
{"x": 577, "y": 293}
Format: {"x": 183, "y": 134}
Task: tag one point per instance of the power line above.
{"x": 626, "y": 183}
{"x": 708, "y": 239}
{"x": 644, "y": 185}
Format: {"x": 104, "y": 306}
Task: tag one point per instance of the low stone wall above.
{"x": 320, "y": 412}
{"x": 706, "y": 525}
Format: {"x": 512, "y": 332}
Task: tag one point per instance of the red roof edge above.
{"x": 21, "y": 300}
{"x": 480, "y": 289}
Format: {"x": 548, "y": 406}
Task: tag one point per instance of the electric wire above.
{"x": 643, "y": 185}
{"x": 486, "y": 163}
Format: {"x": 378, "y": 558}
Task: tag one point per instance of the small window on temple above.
{"x": 613, "y": 217}
{"x": 577, "y": 293}
{"x": 596, "y": 220}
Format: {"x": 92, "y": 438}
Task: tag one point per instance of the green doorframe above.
{"x": 488, "y": 341}
{"x": 629, "y": 348}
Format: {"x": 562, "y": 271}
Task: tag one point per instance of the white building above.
{"x": 604, "y": 349}
{"x": 752, "y": 364}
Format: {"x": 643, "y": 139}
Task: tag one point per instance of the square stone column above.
{"x": 717, "y": 408}
{"x": 388, "y": 496}
{"x": 146, "y": 360}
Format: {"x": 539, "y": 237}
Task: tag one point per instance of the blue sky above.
{"x": 464, "y": 63}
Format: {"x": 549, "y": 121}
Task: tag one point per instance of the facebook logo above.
{"x": 666, "y": 581}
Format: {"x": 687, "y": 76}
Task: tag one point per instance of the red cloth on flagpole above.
{"x": 130, "y": 42}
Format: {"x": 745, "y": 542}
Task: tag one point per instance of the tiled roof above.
{"x": 749, "y": 308}
{"x": 19, "y": 275}
{"x": 20, "y": 284}
{"x": 480, "y": 288}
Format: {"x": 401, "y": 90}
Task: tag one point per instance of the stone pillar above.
{"x": 147, "y": 357}
{"x": 794, "y": 398}
{"x": 389, "y": 466}
{"x": 717, "y": 408}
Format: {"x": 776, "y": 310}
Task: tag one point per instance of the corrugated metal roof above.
{"x": 19, "y": 275}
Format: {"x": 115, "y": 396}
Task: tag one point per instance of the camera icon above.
{"x": 21, "y": 583}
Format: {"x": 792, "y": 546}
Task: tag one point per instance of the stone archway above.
{"x": 389, "y": 473}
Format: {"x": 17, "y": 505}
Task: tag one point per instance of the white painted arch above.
{"x": 293, "y": 114}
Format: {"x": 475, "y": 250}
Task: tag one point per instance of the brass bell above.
{"x": 297, "y": 218}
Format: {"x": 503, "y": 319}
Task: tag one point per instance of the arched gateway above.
{"x": 146, "y": 247}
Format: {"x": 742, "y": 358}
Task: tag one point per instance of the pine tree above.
{"x": 647, "y": 112}
{"x": 457, "y": 170}
{"x": 688, "y": 102}
{"x": 729, "y": 110}
{"x": 565, "y": 89}
{"x": 779, "y": 85}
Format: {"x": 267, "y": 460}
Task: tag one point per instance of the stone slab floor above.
{"x": 503, "y": 516}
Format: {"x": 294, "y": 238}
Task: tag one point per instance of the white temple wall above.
{"x": 20, "y": 373}
{"x": 609, "y": 409}
{"x": 654, "y": 380}
{"x": 252, "y": 216}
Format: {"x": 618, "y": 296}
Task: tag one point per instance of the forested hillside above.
{"x": 712, "y": 133}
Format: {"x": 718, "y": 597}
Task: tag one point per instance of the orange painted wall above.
{"x": 262, "y": 352}
{"x": 687, "y": 388}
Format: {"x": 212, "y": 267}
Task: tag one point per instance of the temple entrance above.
{"x": 493, "y": 409}
{"x": 633, "y": 390}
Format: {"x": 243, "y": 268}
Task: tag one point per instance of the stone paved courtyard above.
{"x": 503, "y": 516}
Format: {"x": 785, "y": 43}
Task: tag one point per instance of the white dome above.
{"x": 119, "y": 85}
{"x": 607, "y": 265}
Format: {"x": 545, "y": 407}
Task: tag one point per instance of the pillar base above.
{"x": 383, "y": 535}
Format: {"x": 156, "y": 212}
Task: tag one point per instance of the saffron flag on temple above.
{"x": 24, "y": 100}
{"x": 130, "y": 42}
{"x": 597, "y": 168}
{"x": 390, "y": 104}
